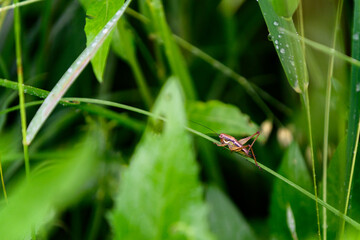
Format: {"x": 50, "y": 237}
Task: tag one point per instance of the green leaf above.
{"x": 160, "y": 194}
{"x": 293, "y": 168}
{"x": 99, "y": 13}
{"x": 220, "y": 117}
{"x": 48, "y": 190}
{"x": 285, "y": 8}
{"x": 226, "y": 221}
{"x": 289, "y": 49}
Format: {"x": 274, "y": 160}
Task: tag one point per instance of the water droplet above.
{"x": 287, "y": 45}
{"x": 276, "y": 23}
{"x": 276, "y": 41}
{"x": 358, "y": 87}
{"x": 277, "y": 47}
{"x": 292, "y": 63}
{"x": 279, "y": 36}
{"x": 270, "y": 37}
{"x": 282, "y": 51}
{"x": 105, "y": 30}
{"x": 70, "y": 70}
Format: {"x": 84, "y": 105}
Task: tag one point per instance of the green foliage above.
{"x": 292, "y": 167}
{"x": 289, "y": 49}
{"x": 52, "y": 187}
{"x": 99, "y": 13}
{"x": 138, "y": 173}
{"x": 226, "y": 221}
{"x": 220, "y": 117}
{"x": 168, "y": 203}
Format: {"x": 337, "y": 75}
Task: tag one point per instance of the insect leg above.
{"x": 242, "y": 141}
{"x": 253, "y": 154}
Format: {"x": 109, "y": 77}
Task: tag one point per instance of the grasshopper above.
{"x": 237, "y": 145}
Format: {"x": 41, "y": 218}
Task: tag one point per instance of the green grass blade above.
{"x": 71, "y": 74}
{"x": 19, "y": 65}
{"x": 354, "y": 110}
{"x": 172, "y": 52}
{"x": 327, "y": 117}
{"x": 289, "y": 50}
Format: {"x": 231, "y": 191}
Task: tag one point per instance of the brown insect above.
{"x": 237, "y": 145}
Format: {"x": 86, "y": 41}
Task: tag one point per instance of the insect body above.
{"x": 239, "y": 145}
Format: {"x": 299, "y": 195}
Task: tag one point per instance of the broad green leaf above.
{"x": 226, "y": 221}
{"x": 289, "y": 50}
{"x": 285, "y": 8}
{"x": 48, "y": 190}
{"x": 220, "y": 117}
{"x": 292, "y": 167}
{"x": 160, "y": 194}
{"x": 98, "y": 14}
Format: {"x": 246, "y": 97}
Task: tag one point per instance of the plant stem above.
{"x": 21, "y": 86}
{"x": 327, "y": 117}
{"x": 2, "y": 182}
{"x": 305, "y": 98}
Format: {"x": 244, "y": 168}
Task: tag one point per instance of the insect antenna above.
{"x": 205, "y": 127}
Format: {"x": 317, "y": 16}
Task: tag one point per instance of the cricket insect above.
{"x": 237, "y": 145}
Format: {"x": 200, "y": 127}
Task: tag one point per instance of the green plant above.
{"x": 121, "y": 157}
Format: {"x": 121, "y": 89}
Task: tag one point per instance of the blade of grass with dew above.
{"x": 289, "y": 50}
{"x": 354, "y": 110}
{"x": 327, "y": 116}
{"x": 17, "y": 32}
{"x": 172, "y": 52}
{"x": 220, "y": 117}
{"x": 225, "y": 220}
{"x": 163, "y": 180}
{"x": 124, "y": 46}
{"x": 100, "y": 12}
{"x": 293, "y": 167}
{"x": 51, "y": 190}
{"x": 71, "y": 74}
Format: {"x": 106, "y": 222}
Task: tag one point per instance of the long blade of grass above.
{"x": 71, "y": 74}
{"x": 327, "y": 116}
{"x": 354, "y": 111}
{"x": 17, "y": 33}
